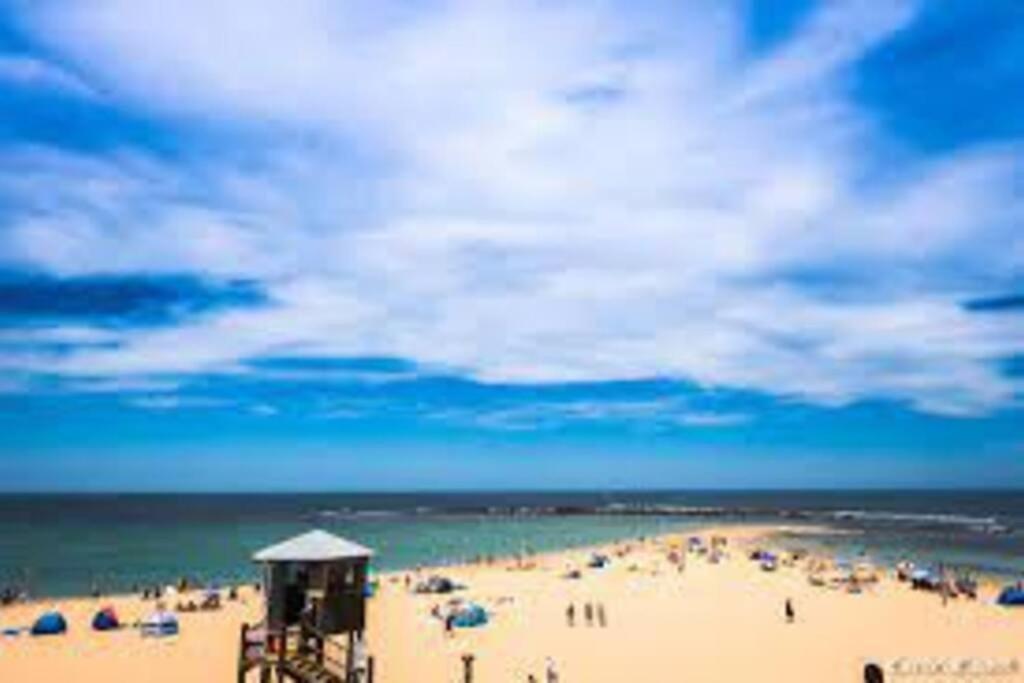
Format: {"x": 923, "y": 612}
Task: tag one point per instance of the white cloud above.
{"x": 176, "y": 402}
{"x": 656, "y": 413}
{"x": 31, "y": 72}
{"x": 713, "y": 419}
{"x": 263, "y": 410}
{"x": 458, "y": 208}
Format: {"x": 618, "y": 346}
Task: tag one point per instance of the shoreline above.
{"x": 662, "y": 619}
{"x": 117, "y": 542}
{"x": 780, "y": 533}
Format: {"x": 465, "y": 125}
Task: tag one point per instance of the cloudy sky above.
{"x": 330, "y": 244}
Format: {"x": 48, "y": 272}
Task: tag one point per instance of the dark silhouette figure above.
{"x": 588, "y": 614}
{"x": 790, "y": 614}
{"x": 570, "y": 614}
{"x": 873, "y": 673}
{"x": 602, "y": 619}
{"x": 449, "y": 624}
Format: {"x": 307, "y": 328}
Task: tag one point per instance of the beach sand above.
{"x": 709, "y": 623}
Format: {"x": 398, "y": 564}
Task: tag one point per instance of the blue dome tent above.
{"x": 470, "y": 616}
{"x": 1011, "y": 596}
{"x": 50, "y": 624}
{"x": 106, "y": 620}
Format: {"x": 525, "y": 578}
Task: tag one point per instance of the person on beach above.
{"x": 449, "y": 624}
{"x": 550, "y": 673}
{"x": 602, "y": 620}
{"x": 588, "y": 614}
{"x": 570, "y": 615}
{"x": 790, "y": 614}
{"x": 873, "y": 673}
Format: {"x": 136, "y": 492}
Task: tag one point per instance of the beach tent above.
{"x": 469, "y": 615}
{"x": 437, "y": 584}
{"x": 50, "y": 624}
{"x": 105, "y": 620}
{"x": 925, "y": 579}
{"x": 1011, "y": 596}
{"x": 160, "y": 624}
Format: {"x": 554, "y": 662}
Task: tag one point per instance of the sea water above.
{"x": 67, "y": 544}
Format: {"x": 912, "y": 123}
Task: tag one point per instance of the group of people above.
{"x": 592, "y": 614}
{"x": 550, "y": 673}
{"x": 10, "y": 595}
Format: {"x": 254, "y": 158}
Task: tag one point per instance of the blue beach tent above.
{"x": 1012, "y": 596}
{"x": 106, "y": 620}
{"x": 470, "y": 616}
{"x": 50, "y": 624}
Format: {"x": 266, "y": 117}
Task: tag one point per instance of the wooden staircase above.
{"x": 305, "y": 669}
{"x": 302, "y": 655}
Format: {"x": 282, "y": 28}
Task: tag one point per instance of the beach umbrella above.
{"x": 50, "y": 624}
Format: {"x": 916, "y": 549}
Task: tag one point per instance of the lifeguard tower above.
{"x": 315, "y": 588}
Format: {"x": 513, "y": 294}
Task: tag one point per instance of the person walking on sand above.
{"x": 449, "y": 624}
{"x": 790, "y": 614}
{"x": 550, "y": 673}
{"x": 602, "y": 620}
{"x": 588, "y": 614}
{"x": 570, "y": 614}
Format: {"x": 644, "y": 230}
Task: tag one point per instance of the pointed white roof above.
{"x": 313, "y": 546}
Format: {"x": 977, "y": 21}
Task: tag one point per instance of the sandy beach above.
{"x": 706, "y": 622}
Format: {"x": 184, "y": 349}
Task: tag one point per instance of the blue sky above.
{"x": 334, "y": 245}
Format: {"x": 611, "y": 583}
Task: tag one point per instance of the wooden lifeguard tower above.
{"x": 315, "y": 588}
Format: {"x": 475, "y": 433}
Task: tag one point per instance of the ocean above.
{"x": 64, "y": 544}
